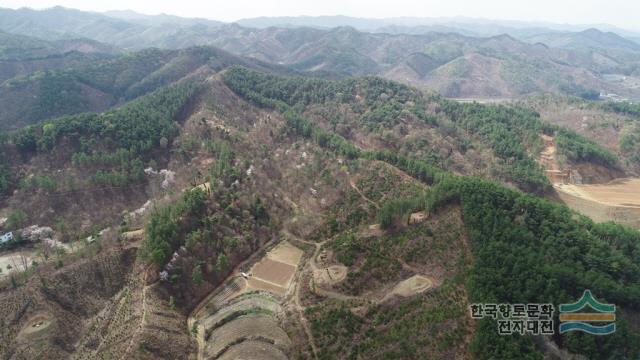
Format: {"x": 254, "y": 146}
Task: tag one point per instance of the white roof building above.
{"x": 6, "y": 237}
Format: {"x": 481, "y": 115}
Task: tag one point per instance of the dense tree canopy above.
{"x": 526, "y": 249}
{"x": 513, "y": 132}
{"x": 116, "y": 143}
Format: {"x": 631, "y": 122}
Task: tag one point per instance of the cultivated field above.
{"x": 242, "y": 319}
{"x": 249, "y": 327}
{"x": 274, "y": 272}
{"x": 253, "y": 350}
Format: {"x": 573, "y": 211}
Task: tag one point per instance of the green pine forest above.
{"x": 526, "y": 248}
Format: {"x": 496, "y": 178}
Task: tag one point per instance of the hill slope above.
{"x": 90, "y": 84}
{"x": 370, "y": 178}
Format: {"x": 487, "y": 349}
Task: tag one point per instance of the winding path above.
{"x": 355, "y": 187}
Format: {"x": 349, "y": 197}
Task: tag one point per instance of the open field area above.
{"x": 618, "y": 200}
{"x": 35, "y": 324}
{"x": 275, "y": 271}
{"x": 413, "y": 285}
{"x": 14, "y": 261}
{"x": 619, "y": 193}
{"x": 242, "y": 318}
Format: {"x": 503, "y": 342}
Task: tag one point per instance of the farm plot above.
{"x": 274, "y": 272}
{"x": 245, "y": 305}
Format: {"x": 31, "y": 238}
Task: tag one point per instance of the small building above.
{"x": 6, "y": 238}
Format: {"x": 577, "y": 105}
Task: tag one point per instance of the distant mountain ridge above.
{"x": 590, "y": 38}
{"x": 70, "y": 21}
{"x": 53, "y": 87}
{"x": 455, "y": 61}
{"x": 126, "y": 30}
{"x": 452, "y": 64}
{"x": 471, "y": 26}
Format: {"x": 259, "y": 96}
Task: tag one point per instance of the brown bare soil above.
{"x": 617, "y": 201}
{"x": 237, "y": 306}
{"x": 418, "y": 217}
{"x": 133, "y": 235}
{"x": 221, "y": 334}
{"x": 258, "y": 284}
{"x": 250, "y": 327}
{"x": 286, "y": 253}
{"x": 330, "y": 275}
{"x": 371, "y": 230}
{"x": 412, "y": 286}
{"x": 620, "y": 192}
{"x": 36, "y": 324}
{"x": 253, "y": 350}
{"x": 273, "y": 271}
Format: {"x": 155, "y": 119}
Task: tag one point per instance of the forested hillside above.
{"x": 283, "y": 196}
{"x": 509, "y": 231}
{"x": 513, "y": 133}
{"x": 97, "y": 85}
{"x": 612, "y": 125}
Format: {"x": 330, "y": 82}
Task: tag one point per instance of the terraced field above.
{"x": 242, "y": 320}
{"x": 238, "y": 307}
{"x": 253, "y": 350}
{"x": 262, "y": 328}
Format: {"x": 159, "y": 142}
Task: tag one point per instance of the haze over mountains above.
{"x": 456, "y": 57}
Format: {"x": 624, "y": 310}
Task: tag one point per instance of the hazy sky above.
{"x": 623, "y": 13}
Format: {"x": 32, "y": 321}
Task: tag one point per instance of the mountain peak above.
{"x": 592, "y": 31}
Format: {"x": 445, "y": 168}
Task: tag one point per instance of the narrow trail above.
{"x": 548, "y": 157}
{"x": 142, "y": 319}
{"x": 408, "y": 267}
{"x": 344, "y": 297}
{"x": 305, "y": 322}
{"x": 201, "y": 343}
{"x": 355, "y": 187}
{"x": 314, "y": 267}
{"x": 196, "y": 313}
